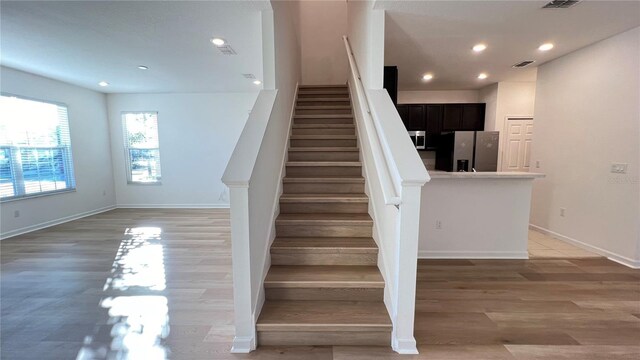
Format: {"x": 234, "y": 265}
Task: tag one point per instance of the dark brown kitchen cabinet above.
{"x": 452, "y": 119}
{"x": 417, "y": 120}
{"x": 435, "y": 119}
{"x": 403, "y": 111}
{"x": 433, "y": 126}
{"x": 390, "y": 82}
{"x": 412, "y": 116}
{"x": 473, "y": 117}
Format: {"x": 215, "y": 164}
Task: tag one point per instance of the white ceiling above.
{"x": 85, "y": 42}
{"x": 437, "y": 36}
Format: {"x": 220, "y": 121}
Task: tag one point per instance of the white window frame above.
{"x": 128, "y": 148}
{"x": 16, "y": 167}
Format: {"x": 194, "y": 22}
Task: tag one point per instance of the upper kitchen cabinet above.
{"x": 473, "y": 117}
{"x": 390, "y": 82}
{"x": 412, "y": 116}
{"x": 403, "y": 111}
{"x": 452, "y": 119}
{"x": 433, "y": 125}
{"x": 417, "y": 120}
{"x": 463, "y": 117}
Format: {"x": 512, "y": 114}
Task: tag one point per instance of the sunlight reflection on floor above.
{"x": 137, "y": 310}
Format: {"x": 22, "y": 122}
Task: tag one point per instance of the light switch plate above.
{"x": 618, "y": 168}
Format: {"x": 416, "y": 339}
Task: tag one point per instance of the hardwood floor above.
{"x": 72, "y": 283}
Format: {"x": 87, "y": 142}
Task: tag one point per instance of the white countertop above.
{"x": 439, "y": 174}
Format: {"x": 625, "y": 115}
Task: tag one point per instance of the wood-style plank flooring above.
{"x": 162, "y": 279}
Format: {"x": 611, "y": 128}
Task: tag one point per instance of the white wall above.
{"x": 480, "y": 218}
{"x": 90, "y": 148}
{"x": 514, "y": 99}
{"x": 587, "y": 116}
{"x": 489, "y": 96}
{"x": 254, "y": 173}
{"x": 503, "y": 99}
{"x": 197, "y": 135}
{"x": 322, "y": 25}
{"x": 396, "y": 229}
{"x": 365, "y": 28}
{"x": 507, "y": 98}
{"x": 266, "y": 178}
{"x": 438, "y": 97}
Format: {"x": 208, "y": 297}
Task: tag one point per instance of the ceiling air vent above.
{"x": 523, "y": 64}
{"x": 249, "y": 76}
{"x": 227, "y": 50}
{"x": 560, "y": 4}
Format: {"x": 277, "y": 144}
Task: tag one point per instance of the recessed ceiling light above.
{"x": 257, "y": 82}
{"x": 217, "y": 41}
{"x": 482, "y": 76}
{"x": 427, "y": 77}
{"x": 142, "y": 67}
{"x": 545, "y": 47}
{"x": 103, "y": 83}
{"x": 479, "y": 47}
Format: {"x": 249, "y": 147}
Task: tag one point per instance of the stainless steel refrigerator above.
{"x": 468, "y": 151}
{"x": 486, "y": 151}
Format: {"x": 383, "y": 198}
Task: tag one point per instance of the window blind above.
{"x": 142, "y": 147}
{"x": 35, "y": 148}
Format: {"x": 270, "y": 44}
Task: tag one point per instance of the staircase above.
{"x": 324, "y": 287}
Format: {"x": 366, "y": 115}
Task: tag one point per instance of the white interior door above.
{"x": 517, "y": 150}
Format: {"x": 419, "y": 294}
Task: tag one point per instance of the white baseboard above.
{"x": 47, "y": 224}
{"x": 634, "y": 264}
{"x": 172, "y": 206}
{"x": 426, "y": 254}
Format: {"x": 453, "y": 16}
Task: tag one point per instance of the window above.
{"x": 35, "y": 148}
{"x": 142, "y": 147}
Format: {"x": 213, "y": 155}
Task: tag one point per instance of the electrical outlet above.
{"x": 438, "y": 224}
{"x": 562, "y": 211}
{"x": 16, "y": 213}
{"x": 617, "y": 168}
{"x": 537, "y": 164}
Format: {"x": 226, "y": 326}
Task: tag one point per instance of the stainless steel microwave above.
{"x": 418, "y": 138}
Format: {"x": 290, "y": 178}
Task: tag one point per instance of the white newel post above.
{"x": 403, "y": 340}
{"x": 245, "y": 338}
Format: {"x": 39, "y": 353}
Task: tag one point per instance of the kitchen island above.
{"x": 481, "y": 215}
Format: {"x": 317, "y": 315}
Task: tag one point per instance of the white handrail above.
{"x": 390, "y": 190}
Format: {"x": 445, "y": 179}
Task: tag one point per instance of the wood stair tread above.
{"x": 324, "y": 218}
{"x": 324, "y": 198}
{"x": 324, "y": 163}
{"x": 324, "y": 149}
{"x": 322, "y": 137}
{"x": 324, "y": 126}
{"x": 320, "y": 98}
{"x": 292, "y": 315}
{"x": 323, "y": 276}
{"x": 312, "y": 86}
{"x": 323, "y": 107}
{"x": 328, "y": 244}
{"x": 327, "y": 91}
{"x": 328, "y": 179}
{"x": 324, "y": 116}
